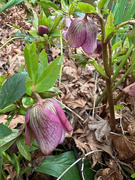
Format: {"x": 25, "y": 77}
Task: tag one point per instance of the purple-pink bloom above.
{"x": 42, "y": 30}
{"x": 83, "y": 33}
{"x": 130, "y": 89}
{"x": 46, "y": 121}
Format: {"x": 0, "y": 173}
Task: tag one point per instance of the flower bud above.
{"x": 46, "y": 122}
{"x": 83, "y": 33}
{"x": 42, "y": 30}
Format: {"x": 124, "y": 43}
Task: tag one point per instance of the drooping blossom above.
{"x": 46, "y": 121}
{"x": 99, "y": 48}
{"x": 42, "y": 30}
{"x": 83, "y": 33}
{"x": 67, "y": 24}
{"x": 130, "y": 89}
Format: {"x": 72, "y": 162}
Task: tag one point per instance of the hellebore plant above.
{"x": 83, "y": 33}
{"x": 46, "y": 122}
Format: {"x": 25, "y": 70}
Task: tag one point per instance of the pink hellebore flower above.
{"x": 42, "y": 30}
{"x": 46, "y": 122}
{"x": 130, "y": 90}
{"x": 83, "y": 33}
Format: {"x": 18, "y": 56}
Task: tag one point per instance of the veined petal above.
{"x": 76, "y": 34}
{"x": 27, "y": 117}
{"x": 61, "y": 115}
{"x": 29, "y": 135}
{"x": 47, "y": 129}
{"x": 90, "y": 44}
{"x": 130, "y": 89}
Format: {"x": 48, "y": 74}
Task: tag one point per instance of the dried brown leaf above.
{"x": 108, "y": 174}
{"x": 10, "y": 170}
{"x": 101, "y": 128}
{"x": 94, "y": 144}
{"x": 124, "y": 147}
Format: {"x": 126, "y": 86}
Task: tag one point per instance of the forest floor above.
{"x": 81, "y": 88}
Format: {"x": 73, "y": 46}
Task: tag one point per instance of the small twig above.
{"x": 76, "y": 163}
{"x": 96, "y": 76}
{"x": 61, "y": 53}
{"x": 121, "y": 122}
{"x": 82, "y": 169}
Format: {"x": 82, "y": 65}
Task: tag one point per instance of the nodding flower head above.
{"x": 46, "y": 121}
{"x": 130, "y": 89}
{"x": 83, "y": 33}
{"x": 42, "y": 30}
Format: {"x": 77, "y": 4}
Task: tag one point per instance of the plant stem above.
{"x": 107, "y": 67}
{"x": 11, "y": 40}
{"x": 116, "y": 72}
{"x": 61, "y": 53}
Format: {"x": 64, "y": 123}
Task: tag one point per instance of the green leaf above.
{"x": 10, "y": 4}
{"x": 101, "y": 4}
{"x": 133, "y": 35}
{"x": 23, "y": 147}
{"x": 109, "y": 30}
{"x": 18, "y": 28}
{"x": 117, "y": 107}
{"x": 31, "y": 59}
{"x": 28, "y": 85}
{"x": 56, "y": 165}
{"x": 27, "y": 101}
{"x": 98, "y": 68}
{"x": 130, "y": 12}
{"x": 4, "y": 130}
{"x": 21, "y": 68}
{"x": 133, "y": 62}
{"x": 71, "y": 8}
{"x": 16, "y": 163}
{"x": 110, "y": 20}
{"x": 133, "y": 175}
{"x": 49, "y": 76}
{"x": 64, "y": 6}
{"x": 86, "y": 8}
{"x": 34, "y": 33}
{"x": 43, "y": 20}
{"x": 35, "y": 20}
{"x": 120, "y": 12}
{"x": 7, "y": 141}
{"x": 1, "y": 161}
{"x": 11, "y": 107}
{"x": 116, "y": 45}
{"x": 43, "y": 62}
{"x": 13, "y": 89}
{"x": 55, "y": 33}
{"x": 47, "y": 4}
{"x": 43, "y": 59}
{"x": 3, "y": 77}
{"x": 50, "y": 93}
{"x": 89, "y": 172}
{"x": 56, "y": 22}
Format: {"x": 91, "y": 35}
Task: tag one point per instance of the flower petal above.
{"x": 76, "y": 34}
{"x": 29, "y": 135}
{"x": 130, "y": 89}
{"x": 61, "y": 115}
{"x": 90, "y": 44}
{"x": 47, "y": 128}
